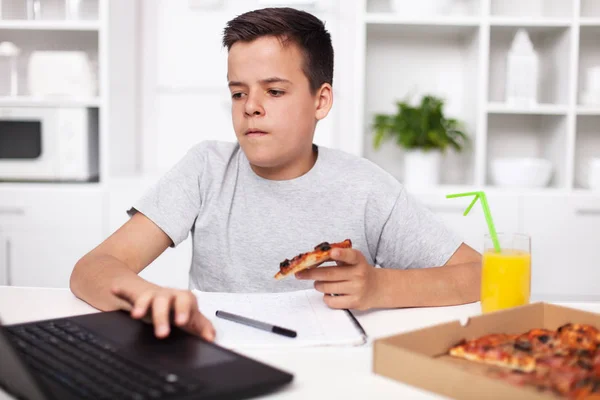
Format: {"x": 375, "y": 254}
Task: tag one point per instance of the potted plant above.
{"x": 425, "y": 133}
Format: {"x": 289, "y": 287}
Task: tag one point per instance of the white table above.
{"x": 321, "y": 372}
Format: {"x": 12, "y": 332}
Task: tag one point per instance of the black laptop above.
{"x": 109, "y": 355}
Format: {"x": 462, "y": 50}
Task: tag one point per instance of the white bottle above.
{"x": 522, "y": 72}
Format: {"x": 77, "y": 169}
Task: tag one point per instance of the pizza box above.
{"x": 420, "y": 358}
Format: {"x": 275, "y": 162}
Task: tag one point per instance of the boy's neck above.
{"x": 292, "y": 170}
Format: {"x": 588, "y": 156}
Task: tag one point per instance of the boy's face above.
{"x": 274, "y": 113}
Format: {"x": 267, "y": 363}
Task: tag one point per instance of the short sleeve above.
{"x": 174, "y": 202}
{"x": 414, "y": 237}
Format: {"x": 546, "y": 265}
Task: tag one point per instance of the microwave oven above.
{"x": 48, "y": 144}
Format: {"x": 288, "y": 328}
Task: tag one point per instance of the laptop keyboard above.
{"x": 90, "y": 367}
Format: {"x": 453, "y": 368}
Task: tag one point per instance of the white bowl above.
{"x": 521, "y": 172}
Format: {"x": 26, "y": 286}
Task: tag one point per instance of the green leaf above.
{"x": 423, "y": 126}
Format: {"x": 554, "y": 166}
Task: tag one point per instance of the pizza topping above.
{"x": 563, "y": 327}
{"x": 543, "y": 338}
{"x": 583, "y": 382}
{"x": 323, "y": 246}
{"x": 523, "y": 346}
{"x": 585, "y": 365}
{"x": 584, "y": 353}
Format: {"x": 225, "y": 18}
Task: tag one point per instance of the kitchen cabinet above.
{"x": 44, "y": 231}
{"x": 565, "y": 245}
{"x": 46, "y": 258}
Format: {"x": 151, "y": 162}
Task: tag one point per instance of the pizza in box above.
{"x": 564, "y": 362}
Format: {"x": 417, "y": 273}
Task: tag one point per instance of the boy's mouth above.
{"x": 255, "y": 132}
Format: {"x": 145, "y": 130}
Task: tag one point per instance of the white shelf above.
{"x": 539, "y": 109}
{"x": 49, "y": 25}
{"x": 94, "y": 186}
{"x": 588, "y": 110}
{"x": 590, "y": 9}
{"x": 595, "y": 22}
{"x": 532, "y": 9}
{"x": 529, "y": 135}
{"x": 422, "y": 27}
{"x": 48, "y": 102}
{"x": 587, "y": 145}
{"x": 533, "y": 23}
{"x": 552, "y": 45}
{"x": 390, "y": 18}
{"x": 462, "y": 58}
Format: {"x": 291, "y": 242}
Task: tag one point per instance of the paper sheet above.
{"x": 303, "y": 311}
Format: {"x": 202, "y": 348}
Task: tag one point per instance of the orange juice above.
{"x": 505, "y": 279}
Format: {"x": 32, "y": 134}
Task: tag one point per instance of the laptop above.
{"x": 109, "y": 355}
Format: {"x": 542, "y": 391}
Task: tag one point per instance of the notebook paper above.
{"x": 302, "y": 311}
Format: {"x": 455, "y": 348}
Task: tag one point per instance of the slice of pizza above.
{"x": 578, "y": 338}
{"x": 312, "y": 259}
{"x": 495, "y": 349}
{"x": 538, "y": 342}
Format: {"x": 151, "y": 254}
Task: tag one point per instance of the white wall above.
{"x": 185, "y": 98}
{"x": 124, "y": 72}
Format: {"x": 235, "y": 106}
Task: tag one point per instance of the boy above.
{"x": 273, "y": 195}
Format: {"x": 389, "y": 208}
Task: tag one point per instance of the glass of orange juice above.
{"x": 506, "y": 275}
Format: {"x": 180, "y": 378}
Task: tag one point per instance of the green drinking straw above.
{"x": 486, "y": 212}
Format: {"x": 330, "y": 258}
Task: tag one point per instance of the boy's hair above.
{"x": 288, "y": 24}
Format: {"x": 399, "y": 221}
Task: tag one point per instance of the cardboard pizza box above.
{"x": 420, "y": 358}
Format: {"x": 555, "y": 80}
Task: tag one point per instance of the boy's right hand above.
{"x": 160, "y": 302}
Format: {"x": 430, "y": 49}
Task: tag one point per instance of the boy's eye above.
{"x": 276, "y": 93}
{"x": 236, "y": 95}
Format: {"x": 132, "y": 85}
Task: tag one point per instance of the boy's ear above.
{"x": 323, "y": 101}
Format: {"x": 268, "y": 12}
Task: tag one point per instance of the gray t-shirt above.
{"x": 243, "y": 225}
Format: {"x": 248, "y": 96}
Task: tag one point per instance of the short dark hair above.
{"x": 288, "y": 24}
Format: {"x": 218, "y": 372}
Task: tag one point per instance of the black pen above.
{"x": 256, "y": 324}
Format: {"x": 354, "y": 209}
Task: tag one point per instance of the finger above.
{"x": 340, "y": 287}
{"x": 142, "y": 304}
{"x": 161, "y": 307}
{"x": 346, "y": 256}
{"x": 201, "y": 326}
{"x": 339, "y": 302}
{"x": 124, "y": 294}
{"x": 185, "y": 303}
{"x": 334, "y": 273}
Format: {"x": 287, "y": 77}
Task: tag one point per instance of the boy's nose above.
{"x": 253, "y": 107}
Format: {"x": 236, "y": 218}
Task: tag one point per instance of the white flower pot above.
{"x": 422, "y": 168}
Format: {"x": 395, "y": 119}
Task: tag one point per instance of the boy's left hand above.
{"x": 353, "y": 280}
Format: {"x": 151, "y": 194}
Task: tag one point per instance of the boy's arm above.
{"x": 457, "y": 282}
{"x": 118, "y": 260}
{"x": 363, "y": 286}
{"x": 107, "y": 278}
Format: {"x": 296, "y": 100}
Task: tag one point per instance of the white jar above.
{"x": 522, "y": 67}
